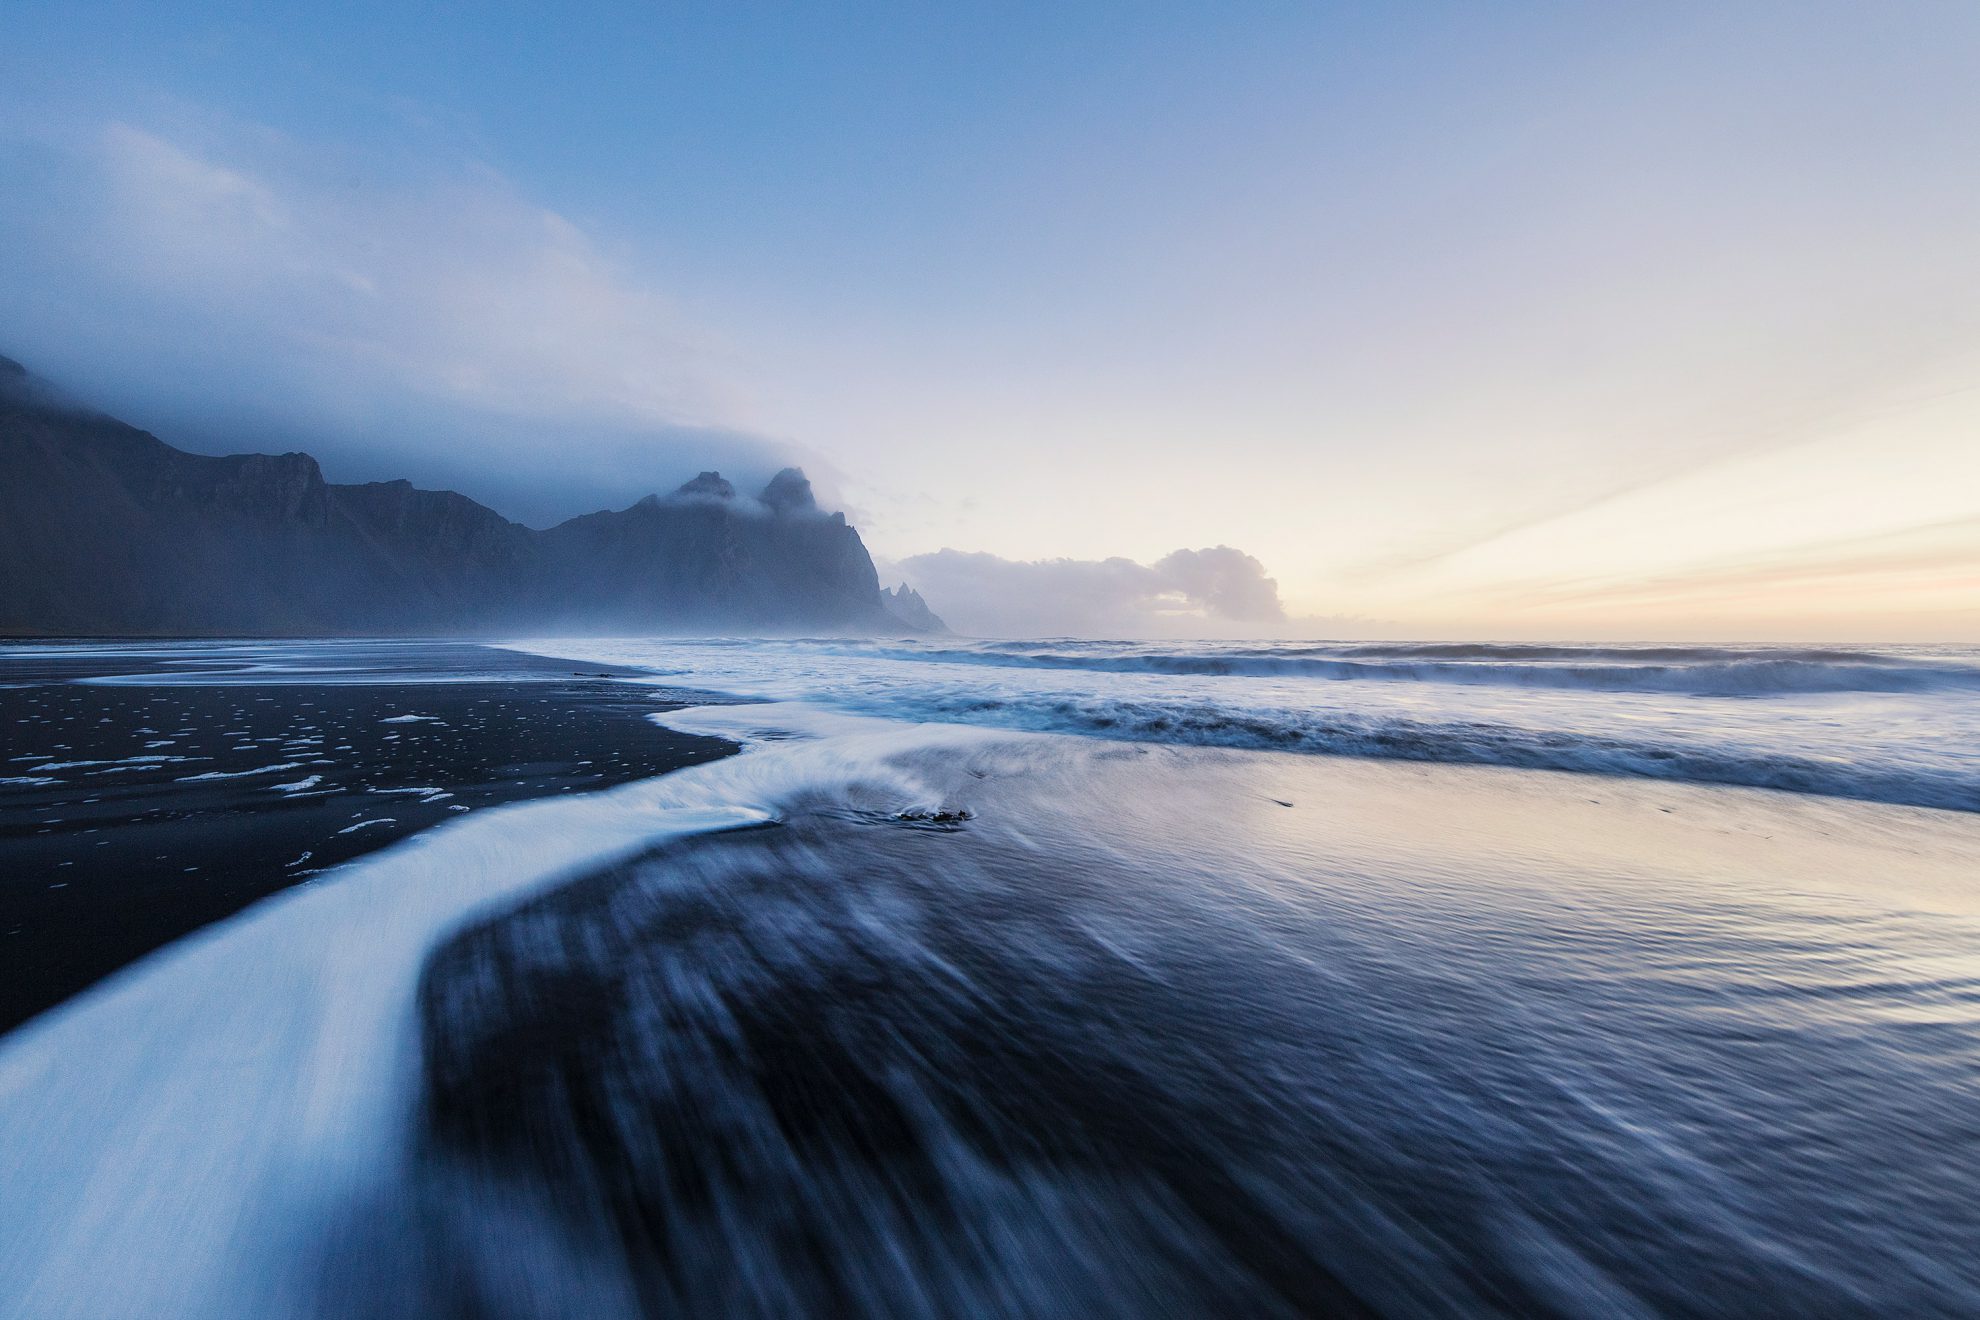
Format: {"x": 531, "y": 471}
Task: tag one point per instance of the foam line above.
{"x": 172, "y": 1132}
{"x": 1911, "y": 745}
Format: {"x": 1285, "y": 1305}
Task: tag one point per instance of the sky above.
{"x": 1523, "y": 320}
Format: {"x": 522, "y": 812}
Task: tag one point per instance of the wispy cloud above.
{"x": 437, "y": 315}
{"x": 1935, "y": 567}
{"x": 1822, "y": 417}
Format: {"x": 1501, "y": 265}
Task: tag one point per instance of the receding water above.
{"x": 890, "y": 1017}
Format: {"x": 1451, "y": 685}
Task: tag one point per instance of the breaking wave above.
{"x": 1702, "y": 671}
{"x": 1896, "y": 725}
{"x": 1334, "y": 733}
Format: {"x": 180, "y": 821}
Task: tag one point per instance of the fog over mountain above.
{"x": 1611, "y": 323}
{"x": 107, "y": 530}
{"x": 438, "y": 327}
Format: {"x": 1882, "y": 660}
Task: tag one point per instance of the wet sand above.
{"x": 147, "y": 792}
{"x": 903, "y": 1019}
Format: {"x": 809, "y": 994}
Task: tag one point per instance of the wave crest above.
{"x": 1697, "y": 671}
{"x": 1340, "y": 733}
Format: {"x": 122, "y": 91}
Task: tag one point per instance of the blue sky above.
{"x": 1522, "y": 319}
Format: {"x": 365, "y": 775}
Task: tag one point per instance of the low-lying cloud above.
{"x": 232, "y": 289}
{"x": 1190, "y": 593}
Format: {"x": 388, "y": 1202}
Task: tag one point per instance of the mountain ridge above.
{"x": 107, "y": 530}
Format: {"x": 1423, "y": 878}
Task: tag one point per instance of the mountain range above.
{"x": 106, "y": 530}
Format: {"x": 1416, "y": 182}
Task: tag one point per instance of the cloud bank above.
{"x": 232, "y": 289}
{"x": 1190, "y": 593}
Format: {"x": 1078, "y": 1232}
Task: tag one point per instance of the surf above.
{"x": 1136, "y": 1022}
{"x": 1900, "y": 728}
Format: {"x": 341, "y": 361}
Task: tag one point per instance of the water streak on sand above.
{"x": 1007, "y": 1022}
{"x": 1082, "y": 1043}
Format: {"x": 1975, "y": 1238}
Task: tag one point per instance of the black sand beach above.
{"x": 898, "y": 1015}
{"x": 145, "y": 792}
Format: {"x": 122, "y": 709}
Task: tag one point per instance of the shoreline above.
{"x": 140, "y": 802}
{"x": 1471, "y": 970}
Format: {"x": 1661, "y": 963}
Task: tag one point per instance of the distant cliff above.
{"x": 906, "y": 604}
{"x": 107, "y": 530}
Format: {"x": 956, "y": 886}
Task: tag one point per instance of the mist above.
{"x": 232, "y": 291}
{"x": 1480, "y": 325}
{"x": 1219, "y": 591}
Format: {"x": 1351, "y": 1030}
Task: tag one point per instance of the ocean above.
{"x": 1060, "y": 977}
{"x": 1886, "y": 724}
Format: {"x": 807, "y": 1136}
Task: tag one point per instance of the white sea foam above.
{"x": 277, "y": 768}
{"x": 1703, "y": 671}
{"x": 177, "y": 1138}
{"x": 170, "y": 1129}
{"x": 121, "y": 763}
{"x": 1899, "y": 726}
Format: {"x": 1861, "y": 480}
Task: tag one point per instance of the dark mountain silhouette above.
{"x": 107, "y": 530}
{"x": 906, "y": 604}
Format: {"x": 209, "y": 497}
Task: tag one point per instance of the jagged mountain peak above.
{"x": 707, "y": 486}
{"x": 790, "y": 492}
{"x": 904, "y": 603}
{"x": 107, "y": 530}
